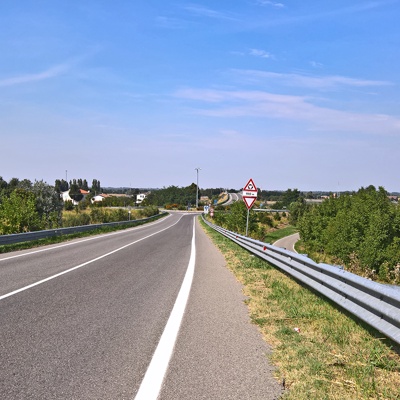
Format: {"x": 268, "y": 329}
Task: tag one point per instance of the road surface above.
{"x": 288, "y": 242}
{"x": 86, "y": 319}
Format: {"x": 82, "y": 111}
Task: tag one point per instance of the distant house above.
{"x": 66, "y": 197}
{"x": 140, "y": 197}
{"x": 98, "y": 198}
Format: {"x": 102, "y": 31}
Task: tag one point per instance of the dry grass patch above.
{"x": 320, "y": 352}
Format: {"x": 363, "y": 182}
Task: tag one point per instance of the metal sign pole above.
{"x": 247, "y": 223}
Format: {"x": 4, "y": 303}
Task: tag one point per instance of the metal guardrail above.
{"x": 376, "y": 304}
{"x": 271, "y": 210}
{"x": 30, "y": 236}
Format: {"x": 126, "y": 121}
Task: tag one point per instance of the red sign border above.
{"x": 252, "y": 198}
{"x": 250, "y": 190}
{"x": 252, "y": 203}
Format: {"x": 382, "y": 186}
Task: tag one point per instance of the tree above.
{"x": 61, "y": 185}
{"x": 74, "y": 191}
{"x": 48, "y": 204}
{"x": 96, "y": 189}
{"x": 3, "y": 183}
{"x": 18, "y": 213}
{"x": 297, "y": 209}
{"x": 290, "y": 196}
{"x": 236, "y": 220}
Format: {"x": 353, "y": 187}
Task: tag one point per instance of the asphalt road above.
{"x": 83, "y": 319}
{"x": 233, "y": 197}
{"x": 288, "y": 242}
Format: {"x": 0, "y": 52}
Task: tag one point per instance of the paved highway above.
{"x": 150, "y": 312}
{"x": 233, "y": 197}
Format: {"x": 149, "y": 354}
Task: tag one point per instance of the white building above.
{"x": 66, "y": 197}
{"x": 140, "y": 197}
{"x": 98, "y": 198}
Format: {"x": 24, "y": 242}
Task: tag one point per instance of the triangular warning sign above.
{"x": 249, "y": 201}
{"x": 250, "y": 186}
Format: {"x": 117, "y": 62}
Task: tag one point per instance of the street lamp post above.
{"x": 197, "y": 188}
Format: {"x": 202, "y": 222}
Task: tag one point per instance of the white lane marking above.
{"x": 85, "y": 240}
{"x": 81, "y": 265}
{"x": 151, "y": 385}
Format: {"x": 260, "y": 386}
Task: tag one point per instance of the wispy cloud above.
{"x": 316, "y": 82}
{"x": 232, "y": 104}
{"x": 170, "y": 23}
{"x": 271, "y": 3}
{"x": 316, "y": 64}
{"x": 261, "y": 53}
{"x": 325, "y": 12}
{"x": 201, "y": 11}
{"x": 40, "y": 76}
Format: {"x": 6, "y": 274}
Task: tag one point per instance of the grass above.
{"x": 329, "y": 355}
{"x": 280, "y": 233}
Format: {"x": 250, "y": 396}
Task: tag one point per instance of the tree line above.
{"x": 360, "y": 230}
{"x": 182, "y": 197}
{"x": 61, "y": 185}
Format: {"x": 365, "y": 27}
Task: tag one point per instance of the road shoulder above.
{"x": 219, "y": 353}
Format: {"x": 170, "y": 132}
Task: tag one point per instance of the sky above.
{"x": 140, "y": 93}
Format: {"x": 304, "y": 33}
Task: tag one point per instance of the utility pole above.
{"x": 197, "y": 188}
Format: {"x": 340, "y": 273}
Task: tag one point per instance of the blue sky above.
{"x": 293, "y": 94}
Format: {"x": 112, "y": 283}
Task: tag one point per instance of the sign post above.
{"x": 249, "y": 195}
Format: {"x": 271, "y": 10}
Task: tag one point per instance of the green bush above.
{"x": 149, "y": 211}
{"x": 265, "y": 218}
{"x": 360, "y": 230}
{"x": 68, "y": 205}
{"x": 77, "y": 219}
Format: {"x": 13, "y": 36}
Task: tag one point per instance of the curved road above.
{"x": 288, "y": 242}
{"x": 233, "y": 197}
{"x": 83, "y": 320}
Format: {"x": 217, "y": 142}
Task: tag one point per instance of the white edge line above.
{"x": 81, "y": 265}
{"x": 151, "y": 385}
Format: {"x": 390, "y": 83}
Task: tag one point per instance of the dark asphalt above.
{"x": 91, "y": 333}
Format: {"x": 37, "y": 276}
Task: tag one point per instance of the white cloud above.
{"x": 233, "y": 104}
{"x": 27, "y": 78}
{"x": 201, "y": 11}
{"x": 310, "y": 81}
{"x": 260, "y": 53}
{"x": 271, "y": 3}
{"x": 316, "y": 64}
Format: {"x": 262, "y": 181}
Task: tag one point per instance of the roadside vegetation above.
{"x": 29, "y": 207}
{"x": 360, "y": 231}
{"x": 319, "y": 351}
{"x": 262, "y": 224}
{"x": 182, "y": 198}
